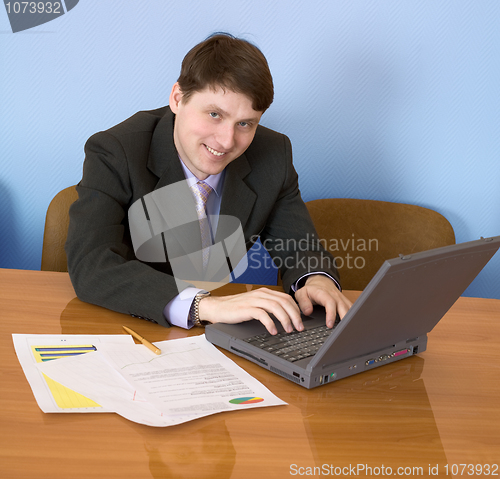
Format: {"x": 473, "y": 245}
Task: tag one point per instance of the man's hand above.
{"x": 320, "y": 289}
{"x": 256, "y": 304}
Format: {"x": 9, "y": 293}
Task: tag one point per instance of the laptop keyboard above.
{"x": 293, "y": 346}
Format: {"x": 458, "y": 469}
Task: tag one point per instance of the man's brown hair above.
{"x": 231, "y": 64}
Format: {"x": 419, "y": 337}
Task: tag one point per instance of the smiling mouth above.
{"x": 214, "y": 152}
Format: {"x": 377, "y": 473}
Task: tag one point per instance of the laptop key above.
{"x": 272, "y": 341}
{"x": 292, "y": 346}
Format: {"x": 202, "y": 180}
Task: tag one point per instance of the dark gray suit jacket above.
{"x": 138, "y": 156}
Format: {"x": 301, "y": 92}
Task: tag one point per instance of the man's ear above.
{"x": 175, "y": 97}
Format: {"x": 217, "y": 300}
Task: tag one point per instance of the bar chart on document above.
{"x": 64, "y": 397}
{"x": 51, "y": 396}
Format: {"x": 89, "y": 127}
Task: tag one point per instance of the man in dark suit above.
{"x": 209, "y": 135}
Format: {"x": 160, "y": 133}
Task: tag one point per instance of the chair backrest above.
{"x": 56, "y": 230}
{"x": 362, "y": 234}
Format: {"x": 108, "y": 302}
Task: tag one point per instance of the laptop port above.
{"x": 399, "y": 353}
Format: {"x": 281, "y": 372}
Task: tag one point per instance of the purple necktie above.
{"x": 201, "y": 192}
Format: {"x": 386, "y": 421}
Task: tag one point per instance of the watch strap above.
{"x": 194, "y": 312}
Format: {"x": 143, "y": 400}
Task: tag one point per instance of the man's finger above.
{"x": 305, "y": 303}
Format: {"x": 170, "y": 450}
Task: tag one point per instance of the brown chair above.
{"x": 56, "y": 230}
{"x": 362, "y": 234}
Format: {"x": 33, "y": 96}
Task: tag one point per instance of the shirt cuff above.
{"x": 301, "y": 281}
{"x": 176, "y": 312}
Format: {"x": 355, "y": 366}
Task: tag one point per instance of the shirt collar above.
{"x": 215, "y": 181}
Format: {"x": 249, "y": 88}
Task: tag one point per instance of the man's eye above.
{"x": 213, "y": 114}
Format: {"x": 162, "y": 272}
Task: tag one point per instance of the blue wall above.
{"x": 392, "y": 100}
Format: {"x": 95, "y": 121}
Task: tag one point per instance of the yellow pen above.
{"x": 142, "y": 340}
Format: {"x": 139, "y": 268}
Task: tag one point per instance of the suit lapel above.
{"x": 183, "y": 232}
{"x": 237, "y": 198}
{"x": 163, "y": 158}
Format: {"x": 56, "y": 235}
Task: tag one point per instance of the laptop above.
{"x": 388, "y": 322}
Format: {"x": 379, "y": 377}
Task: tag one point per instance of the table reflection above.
{"x": 387, "y": 407}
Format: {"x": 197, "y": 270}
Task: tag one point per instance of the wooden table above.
{"x": 436, "y": 409}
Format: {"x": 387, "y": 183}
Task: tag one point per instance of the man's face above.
{"x": 212, "y": 128}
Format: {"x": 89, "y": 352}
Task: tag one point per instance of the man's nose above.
{"x": 225, "y": 136}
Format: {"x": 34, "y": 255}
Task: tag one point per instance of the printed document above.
{"x": 190, "y": 379}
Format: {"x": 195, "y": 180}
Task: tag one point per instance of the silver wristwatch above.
{"x": 194, "y": 312}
